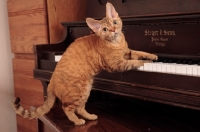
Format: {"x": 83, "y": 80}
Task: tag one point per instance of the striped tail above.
{"x": 41, "y": 110}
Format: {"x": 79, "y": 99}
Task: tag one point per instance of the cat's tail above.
{"x": 41, "y": 110}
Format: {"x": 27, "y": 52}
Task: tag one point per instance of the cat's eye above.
{"x": 105, "y": 29}
{"x": 115, "y": 22}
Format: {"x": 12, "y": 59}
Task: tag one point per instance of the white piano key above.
{"x": 154, "y": 67}
{"x": 158, "y": 66}
{"x": 173, "y": 68}
{"x": 164, "y": 67}
{"x": 198, "y": 71}
{"x": 178, "y": 68}
{"x": 194, "y": 70}
{"x": 151, "y": 67}
{"x": 168, "y": 68}
{"x": 57, "y": 58}
{"x": 141, "y": 68}
{"x": 183, "y": 70}
{"x": 189, "y": 70}
{"x": 146, "y": 66}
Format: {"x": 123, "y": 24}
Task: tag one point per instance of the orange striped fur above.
{"x": 72, "y": 79}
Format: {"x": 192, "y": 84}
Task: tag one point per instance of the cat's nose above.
{"x": 112, "y": 30}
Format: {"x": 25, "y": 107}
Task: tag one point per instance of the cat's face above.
{"x": 109, "y": 28}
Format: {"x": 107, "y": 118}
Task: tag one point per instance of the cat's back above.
{"x": 81, "y": 46}
{"x": 78, "y": 55}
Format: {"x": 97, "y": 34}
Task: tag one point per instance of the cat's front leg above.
{"x": 136, "y": 55}
{"x": 124, "y": 65}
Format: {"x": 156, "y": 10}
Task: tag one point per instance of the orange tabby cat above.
{"x": 72, "y": 79}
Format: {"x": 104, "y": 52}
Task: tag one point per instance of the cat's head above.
{"x": 109, "y": 28}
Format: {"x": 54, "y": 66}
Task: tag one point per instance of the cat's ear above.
{"x": 93, "y": 24}
{"x": 110, "y": 11}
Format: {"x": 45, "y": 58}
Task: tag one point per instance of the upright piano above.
{"x": 170, "y": 29}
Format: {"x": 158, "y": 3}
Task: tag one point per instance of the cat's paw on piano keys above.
{"x": 152, "y": 57}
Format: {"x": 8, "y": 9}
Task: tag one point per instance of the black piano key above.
{"x": 182, "y": 61}
{"x": 191, "y": 62}
{"x": 185, "y": 61}
{"x": 172, "y": 60}
{"x": 161, "y": 59}
{"x": 178, "y": 60}
{"x": 198, "y": 62}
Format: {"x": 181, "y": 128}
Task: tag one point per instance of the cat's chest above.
{"x": 87, "y": 88}
{"x": 121, "y": 52}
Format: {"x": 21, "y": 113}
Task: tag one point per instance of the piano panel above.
{"x": 169, "y": 39}
{"x": 143, "y": 8}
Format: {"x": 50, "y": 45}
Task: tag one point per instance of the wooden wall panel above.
{"x": 28, "y": 24}
{"x": 26, "y": 69}
{"x": 22, "y": 5}
{"x": 27, "y": 30}
{"x": 63, "y": 11}
{"x": 24, "y": 56}
{"x": 26, "y": 87}
{"x": 26, "y": 125}
{"x": 29, "y": 90}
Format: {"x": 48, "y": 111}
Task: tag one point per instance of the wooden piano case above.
{"x": 169, "y": 29}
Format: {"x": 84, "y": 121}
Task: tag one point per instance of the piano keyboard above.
{"x": 162, "y": 67}
{"x": 171, "y": 68}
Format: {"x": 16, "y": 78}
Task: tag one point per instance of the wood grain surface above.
{"x": 28, "y": 89}
{"x": 26, "y": 69}
{"x": 30, "y": 92}
{"x": 26, "y": 125}
{"x": 22, "y": 5}
{"x": 28, "y": 24}
{"x": 63, "y": 11}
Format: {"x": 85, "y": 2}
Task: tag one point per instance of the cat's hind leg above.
{"x": 81, "y": 111}
{"x": 69, "y": 111}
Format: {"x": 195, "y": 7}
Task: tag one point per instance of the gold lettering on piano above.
{"x": 169, "y": 33}
{"x": 160, "y": 32}
{"x": 160, "y": 44}
{"x": 151, "y": 33}
{"x": 153, "y": 39}
{"x": 164, "y": 39}
{"x": 159, "y": 37}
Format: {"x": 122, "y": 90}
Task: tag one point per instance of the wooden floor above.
{"x": 118, "y": 114}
